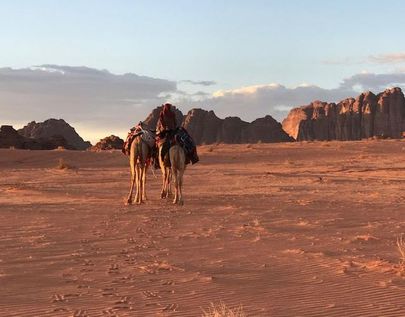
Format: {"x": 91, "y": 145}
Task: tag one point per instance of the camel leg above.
{"x": 144, "y": 169}
{"x": 163, "y": 191}
{"x": 137, "y": 195}
{"x": 176, "y": 192}
{"x": 131, "y": 190}
{"x": 169, "y": 182}
{"x": 180, "y": 187}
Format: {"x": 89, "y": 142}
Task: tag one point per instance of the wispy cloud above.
{"x": 392, "y": 58}
{"x": 199, "y": 83}
{"x": 389, "y": 58}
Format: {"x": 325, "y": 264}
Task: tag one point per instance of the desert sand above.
{"x": 292, "y": 229}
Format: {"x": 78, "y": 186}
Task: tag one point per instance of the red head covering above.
{"x": 167, "y": 112}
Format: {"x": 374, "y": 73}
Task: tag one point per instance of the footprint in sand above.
{"x": 109, "y": 313}
{"x": 80, "y": 313}
{"x": 149, "y": 294}
{"x": 170, "y": 307}
{"x": 123, "y": 303}
{"x": 58, "y": 298}
{"x": 109, "y": 292}
{"x": 114, "y": 269}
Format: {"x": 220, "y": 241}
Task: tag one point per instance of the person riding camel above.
{"x": 166, "y": 124}
{"x": 165, "y": 129}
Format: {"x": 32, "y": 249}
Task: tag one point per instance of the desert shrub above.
{"x": 401, "y": 249}
{"x": 62, "y": 165}
{"x": 221, "y": 310}
{"x": 210, "y": 149}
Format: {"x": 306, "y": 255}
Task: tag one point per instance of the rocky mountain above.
{"x": 52, "y": 128}
{"x": 111, "y": 142}
{"x": 366, "y": 116}
{"x": 206, "y": 128}
{"x": 9, "y": 137}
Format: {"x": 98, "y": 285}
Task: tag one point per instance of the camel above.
{"x": 138, "y": 156}
{"x": 178, "y": 165}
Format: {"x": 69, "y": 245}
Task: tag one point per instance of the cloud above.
{"x": 254, "y": 101}
{"x": 95, "y": 99}
{"x": 199, "y": 83}
{"x": 392, "y": 58}
{"x": 373, "y": 82}
{"x": 275, "y": 99}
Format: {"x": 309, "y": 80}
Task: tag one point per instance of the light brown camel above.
{"x": 139, "y": 154}
{"x": 176, "y": 171}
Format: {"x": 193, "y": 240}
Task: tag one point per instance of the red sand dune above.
{"x": 300, "y": 229}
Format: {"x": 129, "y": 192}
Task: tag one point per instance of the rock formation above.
{"x": 206, "y": 128}
{"x": 52, "y": 128}
{"x": 368, "y": 115}
{"x": 9, "y": 137}
{"x": 111, "y": 142}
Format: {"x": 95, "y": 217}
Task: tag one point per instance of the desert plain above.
{"x": 288, "y": 229}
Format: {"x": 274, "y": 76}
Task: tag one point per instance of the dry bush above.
{"x": 401, "y": 249}
{"x": 221, "y": 310}
{"x": 62, "y": 165}
{"x": 249, "y": 146}
{"x": 60, "y": 148}
{"x": 210, "y": 149}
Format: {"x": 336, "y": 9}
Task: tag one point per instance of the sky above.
{"x": 103, "y": 65}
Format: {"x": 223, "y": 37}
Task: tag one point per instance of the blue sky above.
{"x": 232, "y": 43}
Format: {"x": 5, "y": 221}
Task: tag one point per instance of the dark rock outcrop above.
{"x": 111, "y": 142}
{"x": 206, "y": 128}
{"x": 53, "y": 128}
{"x": 9, "y": 137}
{"x": 368, "y": 115}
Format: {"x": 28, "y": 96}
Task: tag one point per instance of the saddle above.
{"x": 180, "y": 137}
{"x": 147, "y": 136}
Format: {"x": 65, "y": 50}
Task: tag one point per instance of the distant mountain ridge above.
{"x": 368, "y": 115}
{"x": 206, "y": 128}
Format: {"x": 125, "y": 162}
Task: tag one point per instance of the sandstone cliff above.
{"x": 368, "y": 115}
{"x": 206, "y": 128}
{"x": 52, "y": 128}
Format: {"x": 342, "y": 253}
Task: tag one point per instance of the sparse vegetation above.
{"x": 62, "y": 165}
{"x": 401, "y": 249}
{"x": 210, "y": 149}
{"x": 221, "y": 310}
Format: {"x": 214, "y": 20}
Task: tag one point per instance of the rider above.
{"x": 165, "y": 128}
{"x": 167, "y": 121}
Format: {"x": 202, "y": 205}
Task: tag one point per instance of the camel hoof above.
{"x": 181, "y": 203}
{"x": 128, "y": 202}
